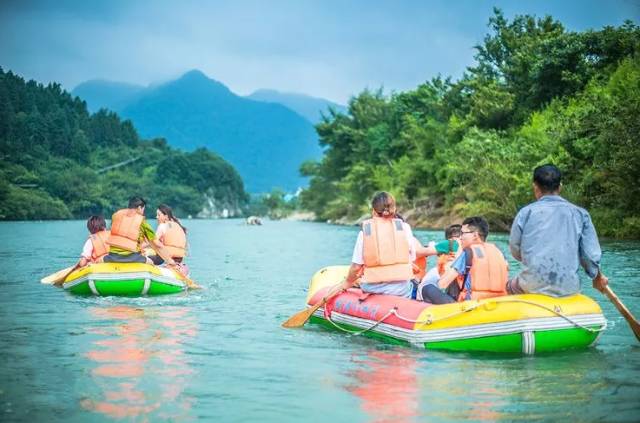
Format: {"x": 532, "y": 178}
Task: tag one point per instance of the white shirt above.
{"x": 87, "y": 249}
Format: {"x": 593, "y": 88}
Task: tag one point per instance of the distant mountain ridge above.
{"x": 266, "y": 142}
{"x": 309, "y": 107}
{"x": 100, "y": 93}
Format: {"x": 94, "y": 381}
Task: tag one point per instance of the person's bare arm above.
{"x": 423, "y": 250}
{"x": 449, "y": 276}
{"x": 162, "y": 252}
{"x": 600, "y": 281}
{"x": 355, "y": 270}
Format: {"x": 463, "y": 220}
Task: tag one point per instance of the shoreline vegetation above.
{"x": 537, "y": 94}
{"x": 60, "y": 162}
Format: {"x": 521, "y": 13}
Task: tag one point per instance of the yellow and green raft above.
{"x": 512, "y": 324}
{"x": 124, "y": 279}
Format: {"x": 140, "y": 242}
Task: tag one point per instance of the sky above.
{"x": 326, "y": 48}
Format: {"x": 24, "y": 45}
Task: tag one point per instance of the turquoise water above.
{"x": 220, "y": 354}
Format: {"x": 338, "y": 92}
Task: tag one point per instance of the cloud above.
{"x": 330, "y": 49}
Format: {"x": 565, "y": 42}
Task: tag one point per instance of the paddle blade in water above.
{"x": 62, "y": 278}
{"x": 54, "y": 278}
{"x": 301, "y": 317}
{"x": 191, "y": 284}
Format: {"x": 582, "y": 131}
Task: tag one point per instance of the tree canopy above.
{"x": 536, "y": 94}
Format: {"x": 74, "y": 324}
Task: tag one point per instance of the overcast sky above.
{"x": 326, "y": 48}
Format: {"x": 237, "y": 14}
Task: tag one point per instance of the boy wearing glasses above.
{"x": 480, "y": 271}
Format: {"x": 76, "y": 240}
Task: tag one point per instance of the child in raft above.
{"x": 446, "y": 250}
{"x": 96, "y": 247}
{"x": 172, "y": 236}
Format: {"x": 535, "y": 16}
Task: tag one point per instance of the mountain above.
{"x": 306, "y": 106}
{"x": 59, "y": 161}
{"x": 265, "y": 142}
{"x": 99, "y": 93}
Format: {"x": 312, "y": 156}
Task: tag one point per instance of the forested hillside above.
{"x": 59, "y": 161}
{"x": 265, "y": 142}
{"x": 536, "y": 94}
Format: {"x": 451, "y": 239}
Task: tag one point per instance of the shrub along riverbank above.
{"x": 537, "y": 93}
{"x": 60, "y": 162}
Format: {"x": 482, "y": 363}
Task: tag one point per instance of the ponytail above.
{"x": 384, "y": 204}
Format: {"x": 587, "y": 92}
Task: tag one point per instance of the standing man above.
{"x": 552, "y": 238}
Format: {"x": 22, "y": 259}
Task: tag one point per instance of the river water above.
{"x": 219, "y": 354}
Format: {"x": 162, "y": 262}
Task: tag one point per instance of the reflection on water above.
{"x": 139, "y": 362}
{"x": 399, "y": 385}
{"x": 221, "y": 355}
{"x": 386, "y": 382}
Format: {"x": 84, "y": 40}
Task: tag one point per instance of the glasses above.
{"x": 466, "y": 232}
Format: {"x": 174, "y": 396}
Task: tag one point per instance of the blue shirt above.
{"x": 553, "y": 238}
{"x": 460, "y": 266}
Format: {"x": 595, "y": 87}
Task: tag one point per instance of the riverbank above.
{"x": 425, "y": 214}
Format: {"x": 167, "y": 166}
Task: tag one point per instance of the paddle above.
{"x": 301, "y": 317}
{"x": 60, "y": 281}
{"x": 60, "y": 275}
{"x": 190, "y": 283}
{"x": 635, "y": 326}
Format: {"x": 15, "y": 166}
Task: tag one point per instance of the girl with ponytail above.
{"x": 384, "y": 252}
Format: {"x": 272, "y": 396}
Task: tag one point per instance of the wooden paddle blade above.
{"x": 301, "y": 317}
{"x": 633, "y": 323}
{"x": 62, "y": 278}
{"x": 55, "y": 277}
{"x": 191, "y": 284}
{"x": 297, "y": 320}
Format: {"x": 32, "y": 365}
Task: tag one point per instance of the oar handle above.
{"x": 616, "y": 301}
{"x": 633, "y": 323}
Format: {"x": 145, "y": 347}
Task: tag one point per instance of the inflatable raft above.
{"x": 124, "y": 279}
{"x": 511, "y": 324}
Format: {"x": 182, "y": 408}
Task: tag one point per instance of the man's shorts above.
{"x": 131, "y": 258}
{"x": 513, "y": 287}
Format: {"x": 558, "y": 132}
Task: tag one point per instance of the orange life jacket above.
{"x": 386, "y": 251}
{"x": 100, "y": 245}
{"x": 175, "y": 240}
{"x": 125, "y": 230}
{"x": 489, "y": 272}
{"x": 419, "y": 264}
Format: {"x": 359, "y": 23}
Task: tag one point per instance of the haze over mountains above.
{"x": 309, "y": 107}
{"x": 266, "y": 135}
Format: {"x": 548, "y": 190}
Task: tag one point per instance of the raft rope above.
{"x": 394, "y": 312}
{"x": 391, "y": 312}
